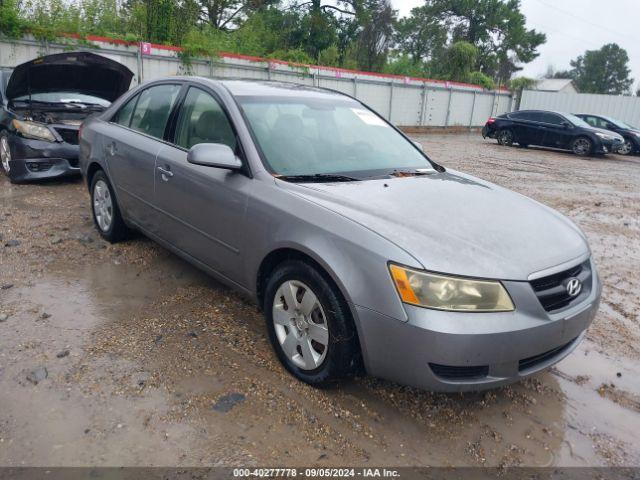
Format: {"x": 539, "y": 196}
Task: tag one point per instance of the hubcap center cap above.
{"x": 300, "y": 322}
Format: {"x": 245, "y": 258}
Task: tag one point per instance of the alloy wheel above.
{"x": 5, "y": 153}
{"x": 581, "y": 146}
{"x": 300, "y": 325}
{"x": 626, "y": 148}
{"x": 506, "y": 138}
{"x": 102, "y": 205}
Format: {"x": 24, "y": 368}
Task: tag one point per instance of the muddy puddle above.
{"x": 126, "y": 355}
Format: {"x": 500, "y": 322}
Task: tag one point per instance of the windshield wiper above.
{"x": 317, "y": 178}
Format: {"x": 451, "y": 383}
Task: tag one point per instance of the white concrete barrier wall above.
{"x": 404, "y": 101}
{"x": 625, "y": 108}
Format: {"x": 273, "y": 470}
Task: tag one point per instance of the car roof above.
{"x": 540, "y": 111}
{"x": 264, "y": 88}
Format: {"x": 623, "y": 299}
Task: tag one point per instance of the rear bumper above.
{"x": 446, "y": 351}
{"x": 37, "y": 159}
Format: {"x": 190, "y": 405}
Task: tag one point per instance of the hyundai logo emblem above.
{"x": 574, "y": 287}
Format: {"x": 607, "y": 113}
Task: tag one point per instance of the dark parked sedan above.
{"x": 630, "y": 134}
{"x": 551, "y": 129}
{"x": 44, "y": 101}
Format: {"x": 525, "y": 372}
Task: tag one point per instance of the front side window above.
{"x": 552, "y": 119}
{"x": 202, "y": 120}
{"x": 309, "y": 136}
{"x": 153, "y": 109}
{"x": 123, "y": 116}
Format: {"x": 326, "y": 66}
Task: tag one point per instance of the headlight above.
{"x": 604, "y": 136}
{"x": 442, "y": 292}
{"x": 33, "y": 130}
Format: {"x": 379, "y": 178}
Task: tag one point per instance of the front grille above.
{"x": 552, "y": 290}
{"x": 448, "y": 372}
{"x": 527, "y": 363}
{"x": 69, "y": 135}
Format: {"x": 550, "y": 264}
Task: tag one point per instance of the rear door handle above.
{"x": 166, "y": 174}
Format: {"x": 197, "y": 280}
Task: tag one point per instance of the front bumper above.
{"x": 608, "y": 146}
{"x": 37, "y": 159}
{"x": 449, "y": 351}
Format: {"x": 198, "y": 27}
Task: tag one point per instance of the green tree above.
{"x": 420, "y": 36}
{"x": 522, "y": 83}
{"x": 497, "y": 28}
{"x": 458, "y": 62}
{"x": 603, "y": 71}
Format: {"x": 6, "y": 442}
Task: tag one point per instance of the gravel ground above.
{"x": 125, "y": 355}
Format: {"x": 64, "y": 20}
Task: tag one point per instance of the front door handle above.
{"x": 112, "y": 149}
{"x": 166, "y": 174}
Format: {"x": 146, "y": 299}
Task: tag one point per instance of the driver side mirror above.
{"x": 566, "y": 125}
{"x": 216, "y": 155}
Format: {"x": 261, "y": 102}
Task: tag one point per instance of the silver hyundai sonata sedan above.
{"x": 361, "y": 251}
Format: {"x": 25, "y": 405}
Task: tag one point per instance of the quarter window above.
{"x": 153, "y": 109}
{"x": 202, "y": 120}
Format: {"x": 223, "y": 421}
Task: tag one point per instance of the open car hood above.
{"x": 81, "y": 72}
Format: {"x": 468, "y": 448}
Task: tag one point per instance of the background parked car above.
{"x": 44, "y": 101}
{"x": 630, "y": 134}
{"x": 551, "y": 129}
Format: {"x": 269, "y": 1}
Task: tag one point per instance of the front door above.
{"x": 558, "y": 131}
{"x": 202, "y": 208}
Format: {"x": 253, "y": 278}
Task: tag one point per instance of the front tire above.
{"x": 626, "y": 148}
{"x": 106, "y": 213}
{"x": 505, "y": 137}
{"x": 309, "y": 324}
{"x": 582, "y": 146}
{"x": 5, "y": 155}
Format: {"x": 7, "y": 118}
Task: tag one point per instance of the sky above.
{"x": 573, "y": 26}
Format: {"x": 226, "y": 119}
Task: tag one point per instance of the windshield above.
{"x": 65, "y": 97}
{"x": 308, "y": 136}
{"x": 619, "y": 123}
{"x": 577, "y": 121}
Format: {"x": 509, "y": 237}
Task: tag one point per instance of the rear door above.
{"x": 527, "y": 128}
{"x": 131, "y": 150}
{"x": 202, "y": 208}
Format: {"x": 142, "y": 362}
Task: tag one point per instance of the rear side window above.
{"x": 202, "y": 120}
{"x": 153, "y": 109}
{"x": 123, "y": 117}
{"x": 521, "y": 115}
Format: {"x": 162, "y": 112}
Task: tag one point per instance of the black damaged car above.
{"x": 551, "y": 129}
{"x": 43, "y": 104}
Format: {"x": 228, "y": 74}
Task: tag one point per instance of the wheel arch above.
{"x": 276, "y": 257}
{"x": 281, "y": 254}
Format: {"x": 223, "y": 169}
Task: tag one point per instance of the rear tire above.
{"x": 505, "y": 137}
{"x": 105, "y": 210}
{"x": 582, "y": 146}
{"x": 315, "y": 338}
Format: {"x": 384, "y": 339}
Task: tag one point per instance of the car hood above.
{"x": 81, "y": 72}
{"x": 610, "y": 133}
{"x": 454, "y": 223}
